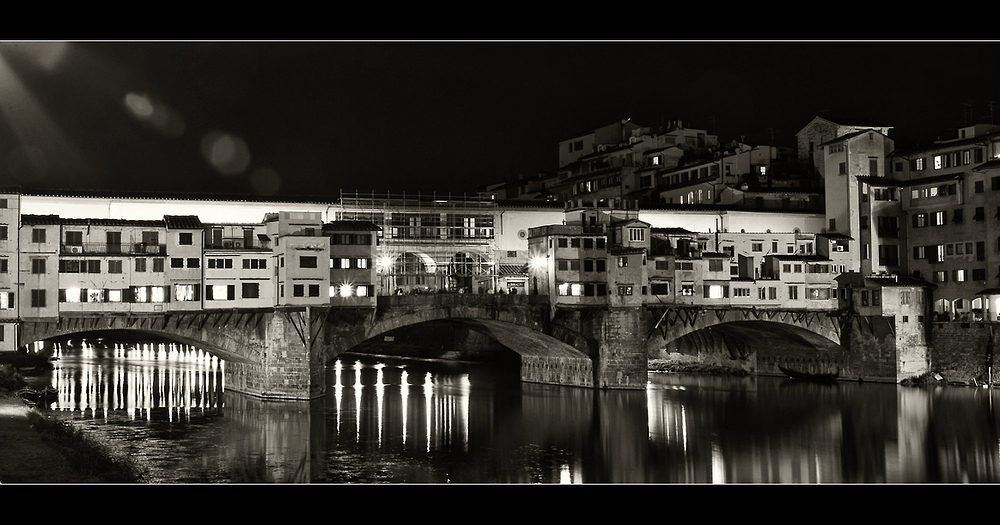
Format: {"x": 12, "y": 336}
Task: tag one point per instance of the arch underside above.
{"x": 513, "y": 338}
{"x": 207, "y": 346}
{"x": 748, "y": 345}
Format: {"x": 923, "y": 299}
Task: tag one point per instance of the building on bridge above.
{"x": 10, "y": 217}
{"x": 430, "y": 243}
{"x": 353, "y": 277}
{"x": 98, "y": 266}
{"x": 604, "y": 256}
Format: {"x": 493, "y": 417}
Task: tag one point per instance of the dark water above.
{"x": 386, "y": 420}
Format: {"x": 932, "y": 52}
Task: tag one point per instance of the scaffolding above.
{"x": 429, "y": 243}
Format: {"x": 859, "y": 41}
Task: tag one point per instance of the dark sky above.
{"x": 312, "y": 118}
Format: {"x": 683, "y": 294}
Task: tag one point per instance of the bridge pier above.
{"x": 287, "y": 359}
{"x": 621, "y": 361}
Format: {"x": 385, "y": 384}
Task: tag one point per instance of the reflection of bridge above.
{"x": 283, "y": 352}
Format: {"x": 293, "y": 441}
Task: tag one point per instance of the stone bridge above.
{"x": 674, "y": 322}
{"x": 283, "y": 352}
{"x": 548, "y": 352}
{"x": 268, "y": 353}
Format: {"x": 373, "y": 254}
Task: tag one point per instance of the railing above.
{"x": 235, "y": 243}
{"x": 90, "y": 248}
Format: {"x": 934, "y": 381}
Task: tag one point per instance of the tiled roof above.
{"x": 183, "y": 222}
{"x": 40, "y": 220}
{"x": 351, "y": 225}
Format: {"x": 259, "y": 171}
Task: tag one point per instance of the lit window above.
{"x": 114, "y": 296}
{"x": 158, "y": 294}
{"x": 345, "y": 290}
{"x": 219, "y": 291}
{"x": 184, "y": 292}
{"x": 72, "y": 295}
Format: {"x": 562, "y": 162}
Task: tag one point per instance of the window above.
{"x": 38, "y": 298}
{"x": 140, "y": 265}
{"x": 194, "y": 262}
{"x": 185, "y": 292}
{"x": 74, "y": 238}
{"x": 157, "y": 265}
{"x": 624, "y": 289}
{"x": 570, "y": 289}
{"x": 38, "y": 266}
{"x": 114, "y": 267}
{"x": 307, "y": 261}
{"x": 176, "y": 262}
{"x": 818, "y": 294}
{"x": 919, "y": 220}
{"x": 660, "y": 288}
{"x": 251, "y": 290}
{"x": 636, "y": 234}
{"x": 978, "y": 186}
{"x": 3, "y": 265}
{"x": 939, "y": 218}
{"x": 602, "y": 265}
{"x": 185, "y": 239}
{"x": 298, "y": 290}
{"x": 38, "y": 235}
{"x": 793, "y": 292}
{"x": 687, "y": 289}
{"x": 6, "y": 300}
{"x": 715, "y": 265}
{"x": 757, "y": 246}
{"x": 219, "y": 292}
{"x": 623, "y": 262}
{"x": 313, "y": 290}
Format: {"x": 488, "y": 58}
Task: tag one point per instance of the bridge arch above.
{"x": 547, "y": 354}
{"x": 751, "y": 340}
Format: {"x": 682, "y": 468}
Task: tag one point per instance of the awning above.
{"x": 989, "y": 291}
{"x": 513, "y": 269}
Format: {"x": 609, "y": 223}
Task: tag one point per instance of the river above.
{"x": 387, "y": 420}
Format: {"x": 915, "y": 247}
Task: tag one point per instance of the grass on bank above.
{"x": 85, "y": 457}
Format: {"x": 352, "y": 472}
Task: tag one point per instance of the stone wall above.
{"x": 961, "y": 352}
{"x": 621, "y": 361}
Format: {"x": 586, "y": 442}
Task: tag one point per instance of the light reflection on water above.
{"x": 388, "y": 420}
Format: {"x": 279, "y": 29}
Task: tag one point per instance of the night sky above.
{"x": 312, "y": 118}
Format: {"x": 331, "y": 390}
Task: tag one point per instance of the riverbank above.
{"x": 34, "y": 449}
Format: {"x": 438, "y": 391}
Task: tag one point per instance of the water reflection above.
{"x": 136, "y": 379}
{"x": 386, "y": 420}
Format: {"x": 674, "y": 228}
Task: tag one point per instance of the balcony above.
{"x": 238, "y": 243}
{"x": 93, "y": 248}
